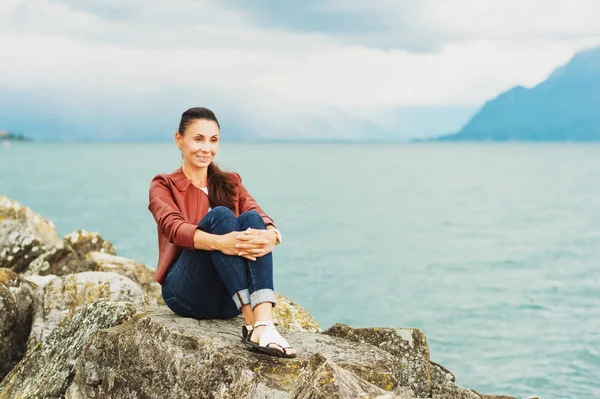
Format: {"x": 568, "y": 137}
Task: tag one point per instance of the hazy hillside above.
{"x": 565, "y": 107}
{"x": 49, "y": 116}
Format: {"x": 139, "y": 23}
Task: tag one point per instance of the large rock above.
{"x": 409, "y": 347}
{"x": 24, "y": 235}
{"x": 57, "y": 296}
{"x": 84, "y": 242}
{"x": 81, "y": 343}
{"x": 443, "y": 385}
{"x": 48, "y": 369}
{"x": 141, "y": 274}
{"x": 324, "y": 379}
{"x": 160, "y": 355}
{"x": 107, "y": 349}
{"x": 186, "y": 358}
{"x": 16, "y": 314}
{"x": 292, "y": 316}
{"x": 69, "y": 255}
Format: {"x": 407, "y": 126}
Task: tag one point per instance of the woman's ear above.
{"x": 178, "y": 140}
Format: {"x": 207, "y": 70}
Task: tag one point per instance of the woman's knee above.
{"x": 219, "y": 220}
{"x": 251, "y": 219}
{"x": 222, "y": 212}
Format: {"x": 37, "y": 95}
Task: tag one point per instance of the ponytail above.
{"x": 221, "y": 187}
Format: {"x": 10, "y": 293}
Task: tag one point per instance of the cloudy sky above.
{"x": 280, "y": 68}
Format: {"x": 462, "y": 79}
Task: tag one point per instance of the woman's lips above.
{"x": 204, "y": 159}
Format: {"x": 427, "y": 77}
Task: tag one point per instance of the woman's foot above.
{"x": 272, "y": 340}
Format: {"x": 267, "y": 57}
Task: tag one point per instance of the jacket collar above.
{"x": 178, "y": 177}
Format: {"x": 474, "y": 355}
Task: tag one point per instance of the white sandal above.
{"x": 269, "y": 336}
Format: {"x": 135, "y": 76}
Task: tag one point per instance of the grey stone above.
{"x": 324, "y": 379}
{"x": 292, "y": 316}
{"x": 24, "y": 235}
{"x": 69, "y": 255}
{"x": 414, "y": 371}
{"x": 94, "y": 325}
{"x": 161, "y": 355}
{"x": 57, "y": 296}
{"x": 48, "y": 370}
{"x": 141, "y": 274}
{"x": 408, "y": 347}
{"x": 16, "y": 314}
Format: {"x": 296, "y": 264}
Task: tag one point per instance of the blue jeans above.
{"x": 211, "y": 285}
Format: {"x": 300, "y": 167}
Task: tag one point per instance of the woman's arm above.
{"x": 210, "y": 242}
{"x": 169, "y": 219}
{"x": 171, "y": 222}
{"x": 177, "y": 230}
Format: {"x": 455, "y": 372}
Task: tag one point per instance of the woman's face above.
{"x": 199, "y": 143}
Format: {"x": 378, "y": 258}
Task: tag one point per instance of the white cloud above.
{"x": 517, "y": 20}
{"x": 427, "y": 25}
{"x": 149, "y": 47}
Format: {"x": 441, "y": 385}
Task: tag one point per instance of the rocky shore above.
{"x": 78, "y": 321}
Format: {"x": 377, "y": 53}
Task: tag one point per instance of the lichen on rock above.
{"x": 141, "y": 274}
{"x": 23, "y": 235}
{"x": 69, "y": 255}
{"x": 16, "y": 314}
{"x": 292, "y": 316}
{"x": 47, "y": 371}
{"x": 188, "y": 358}
{"x": 324, "y": 379}
{"x": 408, "y": 346}
{"x": 415, "y": 370}
{"x": 83, "y": 242}
{"x": 58, "y": 295}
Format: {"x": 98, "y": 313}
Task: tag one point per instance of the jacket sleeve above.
{"x": 169, "y": 219}
{"x": 248, "y": 203}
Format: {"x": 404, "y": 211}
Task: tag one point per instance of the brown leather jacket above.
{"x": 178, "y": 206}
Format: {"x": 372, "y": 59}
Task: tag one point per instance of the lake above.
{"x": 493, "y": 250}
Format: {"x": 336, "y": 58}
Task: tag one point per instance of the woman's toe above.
{"x": 290, "y": 351}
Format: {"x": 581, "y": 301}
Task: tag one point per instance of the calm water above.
{"x": 493, "y": 250}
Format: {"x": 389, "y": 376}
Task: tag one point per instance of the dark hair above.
{"x": 196, "y": 113}
{"x": 221, "y": 187}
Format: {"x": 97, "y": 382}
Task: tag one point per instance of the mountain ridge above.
{"x": 563, "y": 107}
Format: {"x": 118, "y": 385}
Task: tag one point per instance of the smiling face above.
{"x": 199, "y": 143}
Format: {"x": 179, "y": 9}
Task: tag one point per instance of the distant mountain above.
{"x": 564, "y": 107}
{"x": 119, "y": 115}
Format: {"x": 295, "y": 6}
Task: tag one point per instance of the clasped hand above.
{"x": 250, "y": 244}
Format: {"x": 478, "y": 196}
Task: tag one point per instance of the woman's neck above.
{"x": 199, "y": 177}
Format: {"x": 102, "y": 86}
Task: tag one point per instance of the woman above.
{"x": 215, "y": 242}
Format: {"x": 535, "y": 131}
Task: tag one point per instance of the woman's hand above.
{"x": 243, "y": 244}
{"x": 265, "y": 239}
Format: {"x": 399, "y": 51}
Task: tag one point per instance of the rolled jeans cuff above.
{"x": 241, "y": 298}
{"x": 262, "y": 295}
